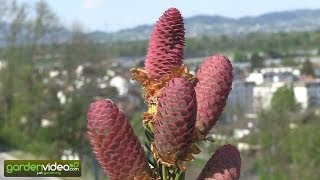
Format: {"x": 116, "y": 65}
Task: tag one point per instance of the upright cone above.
{"x": 166, "y": 45}
{"x": 175, "y": 120}
{"x": 215, "y": 81}
{"x": 114, "y": 143}
{"x": 225, "y": 164}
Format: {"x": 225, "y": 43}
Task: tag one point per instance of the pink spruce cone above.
{"x": 114, "y": 143}
{"x": 215, "y": 81}
{"x": 225, "y": 164}
{"x": 166, "y": 45}
{"x": 175, "y": 118}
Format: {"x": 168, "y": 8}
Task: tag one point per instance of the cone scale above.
{"x": 224, "y": 164}
{"x": 114, "y": 143}
{"x": 164, "y": 59}
{"x": 166, "y": 45}
{"x": 175, "y": 120}
{"x": 213, "y": 87}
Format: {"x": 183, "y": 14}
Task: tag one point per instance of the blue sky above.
{"x": 113, "y": 15}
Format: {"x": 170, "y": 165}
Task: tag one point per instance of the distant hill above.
{"x": 285, "y": 21}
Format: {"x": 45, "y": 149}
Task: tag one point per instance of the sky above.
{"x": 113, "y": 15}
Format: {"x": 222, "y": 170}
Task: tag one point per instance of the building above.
{"x": 280, "y": 74}
{"x": 306, "y": 93}
{"x": 313, "y": 92}
{"x": 301, "y": 94}
{"x": 241, "y": 96}
{"x": 262, "y": 94}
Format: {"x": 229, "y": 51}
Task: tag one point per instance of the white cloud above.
{"x": 91, "y": 4}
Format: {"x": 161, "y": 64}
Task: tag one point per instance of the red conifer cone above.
{"x": 175, "y": 119}
{"x": 225, "y": 164}
{"x": 114, "y": 143}
{"x": 215, "y": 81}
{"x": 166, "y": 45}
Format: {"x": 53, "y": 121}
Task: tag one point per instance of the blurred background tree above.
{"x": 307, "y": 68}
{"x": 285, "y": 140}
{"x": 240, "y": 57}
{"x": 256, "y": 61}
{"x": 283, "y": 100}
